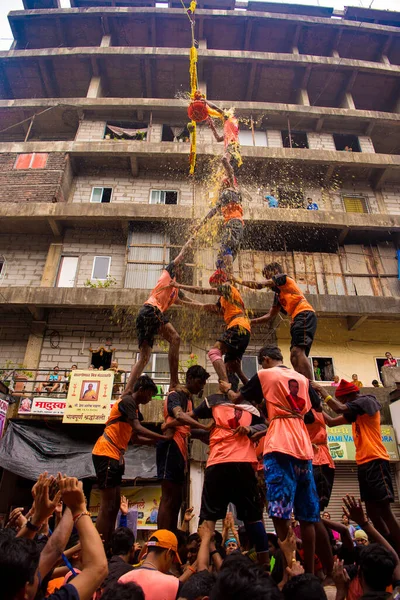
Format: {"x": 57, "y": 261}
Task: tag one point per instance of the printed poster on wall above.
{"x": 3, "y": 413}
{"x": 145, "y": 500}
{"x": 89, "y": 397}
{"x": 341, "y": 443}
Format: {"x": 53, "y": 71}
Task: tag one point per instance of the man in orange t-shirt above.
{"x": 151, "y": 320}
{"x": 233, "y": 343}
{"x": 108, "y": 452}
{"x": 373, "y": 466}
{"x": 230, "y": 475}
{"x": 288, "y": 452}
{"x": 230, "y": 206}
{"x": 290, "y": 300}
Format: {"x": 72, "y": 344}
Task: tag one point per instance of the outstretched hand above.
{"x": 339, "y": 574}
{"x": 353, "y": 509}
{"x": 44, "y": 506}
{"x": 224, "y": 387}
{"x": 189, "y": 515}
{"x": 123, "y": 506}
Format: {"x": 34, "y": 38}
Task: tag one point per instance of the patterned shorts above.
{"x": 290, "y": 487}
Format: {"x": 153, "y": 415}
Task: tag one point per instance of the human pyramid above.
{"x": 275, "y": 419}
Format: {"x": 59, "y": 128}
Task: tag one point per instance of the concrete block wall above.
{"x": 364, "y": 192}
{"x": 391, "y": 198}
{"x": 366, "y": 144}
{"x": 88, "y": 243}
{"x": 131, "y": 189}
{"x": 25, "y": 259}
{"x": 79, "y": 330}
{"x": 32, "y": 185}
{"x": 274, "y": 138}
{"x": 320, "y": 141}
{"x": 14, "y": 333}
{"x": 90, "y": 130}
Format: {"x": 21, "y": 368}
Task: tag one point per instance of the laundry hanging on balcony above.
{"x": 137, "y": 134}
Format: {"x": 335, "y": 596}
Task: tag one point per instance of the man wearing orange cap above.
{"x": 230, "y": 306}
{"x": 376, "y": 487}
{"x": 152, "y": 577}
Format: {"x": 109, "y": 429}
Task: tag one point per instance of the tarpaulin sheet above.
{"x": 28, "y": 449}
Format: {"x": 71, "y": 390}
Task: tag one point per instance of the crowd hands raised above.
{"x": 70, "y": 563}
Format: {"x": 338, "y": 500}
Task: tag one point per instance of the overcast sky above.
{"x": 7, "y": 5}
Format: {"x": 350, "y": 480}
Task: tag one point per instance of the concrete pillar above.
{"x": 105, "y": 41}
{"x": 295, "y": 50}
{"x": 348, "y": 101}
{"x": 385, "y": 60}
{"x": 34, "y": 346}
{"x": 381, "y": 202}
{"x": 196, "y": 486}
{"x": 51, "y": 265}
{"x": 335, "y": 54}
{"x": 302, "y": 97}
{"x": 95, "y": 88}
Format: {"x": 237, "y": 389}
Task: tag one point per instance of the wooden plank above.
{"x": 372, "y": 269}
{"x": 356, "y": 263}
{"x": 319, "y": 274}
{"x": 337, "y": 276}
{"x": 330, "y": 282}
{"x": 388, "y": 256}
{"x": 300, "y": 268}
{"x": 386, "y": 290}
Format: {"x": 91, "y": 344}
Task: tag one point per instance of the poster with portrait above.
{"x": 145, "y": 500}
{"x": 89, "y": 397}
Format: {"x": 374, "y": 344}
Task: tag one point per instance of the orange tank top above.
{"x": 163, "y": 295}
{"x": 120, "y": 433}
{"x": 233, "y": 308}
{"x": 291, "y": 298}
{"x": 181, "y": 432}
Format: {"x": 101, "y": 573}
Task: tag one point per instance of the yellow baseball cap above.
{"x": 359, "y": 534}
{"x": 162, "y": 538}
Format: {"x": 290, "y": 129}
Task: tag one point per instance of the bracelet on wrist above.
{"x": 328, "y": 398}
{"x": 213, "y": 552}
{"x": 190, "y": 568}
{"x": 84, "y": 513}
{"x": 29, "y": 525}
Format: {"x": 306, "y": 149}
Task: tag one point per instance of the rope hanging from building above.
{"x": 198, "y": 110}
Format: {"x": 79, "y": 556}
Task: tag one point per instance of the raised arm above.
{"x": 194, "y": 289}
{"x": 253, "y": 285}
{"x": 54, "y": 548}
{"x": 218, "y": 137}
{"x": 271, "y": 314}
{"x": 94, "y": 561}
{"x": 185, "y": 248}
{"x": 333, "y": 403}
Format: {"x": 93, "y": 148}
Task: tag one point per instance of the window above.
{"x": 31, "y": 161}
{"x": 121, "y": 130}
{"x": 297, "y": 139}
{"x": 101, "y": 267}
{"x": 101, "y": 194}
{"x": 158, "y": 367}
{"x": 355, "y": 204}
{"x": 348, "y": 143}
{"x": 249, "y": 365}
{"x": 322, "y": 367}
{"x": 67, "y": 271}
{"x": 177, "y": 133}
{"x": 148, "y": 253}
{"x": 246, "y": 138}
{"x": 163, "y": 197}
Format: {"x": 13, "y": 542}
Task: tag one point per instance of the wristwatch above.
{"x": 29, "y": 525}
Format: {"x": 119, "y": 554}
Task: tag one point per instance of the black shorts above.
{"x": 170, "y": 462}
{"x": 230, "y": 482}
{"x": 148, "y": 322}
{"x": 324, "y": 477}
{"x": 375, "y": 481}
{"x": 303, "y": 330}
{"x": 236, "y": 339}
{"x": 109, "y": 471}
{"x": 231, "y": 238}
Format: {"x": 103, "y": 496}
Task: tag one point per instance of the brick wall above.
{"x": 14, "y": 334}
{"x": 88, "y": 243}
{"x": 25, "y": 259}
{"x": 132, "y": 189}
{"x": 32, "y": 185}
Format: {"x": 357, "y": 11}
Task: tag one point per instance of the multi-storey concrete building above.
{"x": 94, "y": 171}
